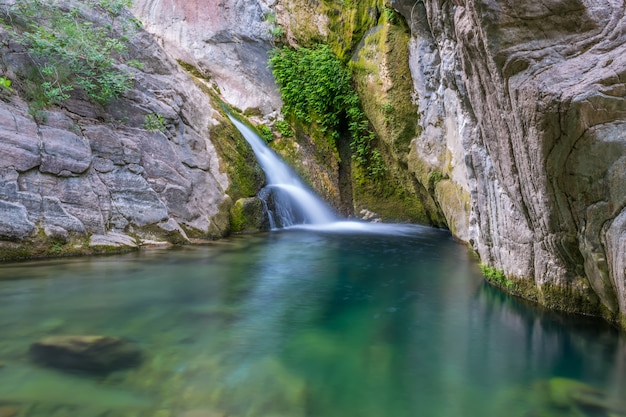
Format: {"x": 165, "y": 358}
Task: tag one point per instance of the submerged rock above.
{"x": 557, "y": 397}
{"x": 97, "y": 354}
{"x": 9, "y": 411}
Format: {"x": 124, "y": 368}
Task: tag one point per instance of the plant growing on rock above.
{"x": 317, "y": 87}
{"x": 68, "y": 51}
{"x": 155, "y": 122}
{"x": 496, "y": 276}
{"x": 266, "y": 133}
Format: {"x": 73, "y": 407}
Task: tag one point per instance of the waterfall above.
{"x": 288, "y": 200}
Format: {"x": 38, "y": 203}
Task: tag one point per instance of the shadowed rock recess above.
{"x": 81, "y": 177}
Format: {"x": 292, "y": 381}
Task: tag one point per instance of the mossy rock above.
{"x": 245, "y": 175}
{"x": 248, "y": 215}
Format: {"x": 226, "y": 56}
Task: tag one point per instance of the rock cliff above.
{"x": 528, "y": 103}
{"x": 81, "y": 177}
{"x": 519, "y": 136}
{"x": 506, "y": 120}
{"x": 227, "y": 41}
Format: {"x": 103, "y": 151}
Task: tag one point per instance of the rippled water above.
{"x": 392, "y": 322}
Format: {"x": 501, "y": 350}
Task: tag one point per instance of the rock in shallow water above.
{"x": 94, "y": 354}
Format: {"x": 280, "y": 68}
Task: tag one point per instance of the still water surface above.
{"x": 301, "y": 323}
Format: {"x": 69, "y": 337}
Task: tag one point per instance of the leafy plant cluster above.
{"x": 70, "y": 52}
{"x": 317, "y": 87}
{"x": 266, "y": 133}
{"x": 155, "y": 122}
{"x": 276, "y": 31}
{"x": 496, "y": 276}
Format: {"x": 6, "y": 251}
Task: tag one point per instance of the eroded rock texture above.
{"x": 93, "y": 175}
{"x": 227, "y": 41}
{"x": 527, "y": 102}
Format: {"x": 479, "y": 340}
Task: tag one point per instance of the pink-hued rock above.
{"x": 227, "y": 40}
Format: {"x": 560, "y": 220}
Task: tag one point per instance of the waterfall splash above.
{"x": 291, "y": 204}
{"x": 290, "y": 201}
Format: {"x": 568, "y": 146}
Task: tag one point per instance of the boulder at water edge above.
{"x": 95, "y": 354}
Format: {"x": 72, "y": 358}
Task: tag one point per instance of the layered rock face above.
{"x": 527, "y": 102}
{"x": 227, "y": 41}
{"x": 520, "y": 138}
{"x": 88, "y": 176}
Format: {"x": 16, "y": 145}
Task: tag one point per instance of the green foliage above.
{"x": 390, "y": 15}
{"x": 266, "y": 133}
{"x": 135, "y": 63}
{"x": 317, "y": 88}
{"x": 114, "y": 7}
{"x": 283, "y": 128}
{"x": 275, "y": 30}
{"x": 5, "y": 83}
{"x": 496, "y": 276}
{"x": 68, "y": 51}
{"x": 154, "y": 122}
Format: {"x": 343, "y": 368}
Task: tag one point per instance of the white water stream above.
{"x": 293, "y": 202}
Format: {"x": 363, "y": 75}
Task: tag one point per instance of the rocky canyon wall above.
{"x": 529, "y": 100}
{"x": 519, "y": 117}
{"x": 227, "y": 41}
{"x": 81, "y": 177}
{"x": 506, "y": 121}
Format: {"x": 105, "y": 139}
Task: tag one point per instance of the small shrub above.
{"x": 390, "y": 15}
{"x": 5, "y": 84}
{"x": 496, "y": 276}
{"x": 434, "y": 178}
{"x": 283, "y": 128}
{"x": 154, "y": 122}
{"x": 67, "y": 51}
{"x": 276, "y": 31}
{"x": 135, "y": 64}
{"x": 265, "y": 133}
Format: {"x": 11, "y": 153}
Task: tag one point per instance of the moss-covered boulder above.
{"x": 248, "y": 215}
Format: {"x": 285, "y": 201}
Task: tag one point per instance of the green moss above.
{"x": 434, "y": 178}
{"x": 572, "y": 297}
{"x": 237, "y": 218}
{"x": 247, "y": 215}
{"x": 349, "y": 21}
{"x": 384, "y": 82}
{"x": 389, "y": 197}
{"x": 310, "y": 154}
{"x": 246, "y": 177}
{"x": 39, "y": 245}
{"x": 193, "y": 70}
{"x": 496, "y": 276}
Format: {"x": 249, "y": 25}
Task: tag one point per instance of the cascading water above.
{"x": 292, "y": 203}
{"x": 289, "y": 203}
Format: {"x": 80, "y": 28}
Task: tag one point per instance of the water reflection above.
{"x": 542, "y": 345}
{"x": 306, "y": 323}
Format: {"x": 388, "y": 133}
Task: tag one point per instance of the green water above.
{"x": 303, "y": 323}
